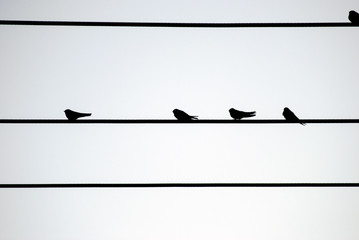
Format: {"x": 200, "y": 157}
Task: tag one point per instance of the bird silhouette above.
{"x": 353, "y": 17}
{"x": 237, "y": 115}
{"x": 72, "y": 115}
{"x": 182, "y": 116}
{"x": 290, "y": 116}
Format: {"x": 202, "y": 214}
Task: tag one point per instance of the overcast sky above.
{"x": 131, "y": 73}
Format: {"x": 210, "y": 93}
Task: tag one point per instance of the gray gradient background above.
{"x": 134, "y": 73}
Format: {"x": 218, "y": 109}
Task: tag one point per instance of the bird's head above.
{"x": 352, "y": 12}
{"x": 175, "y": 110}
{"x": 285, "y": 110}
{"x": 232, "y": 109}
{"x": 67, "y": 110}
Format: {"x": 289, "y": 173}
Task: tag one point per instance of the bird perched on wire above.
{"x": 72, "y": 115}
{"x": 182, "y": 116}
{"x": 353, "y": 17}
{"x": 237, "y": 115}
{"x": 290, "y": 116}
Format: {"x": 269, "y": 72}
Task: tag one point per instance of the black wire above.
{"x": 172, "y": 121}
{"x": 176, "y": 185}
{"x": 173, "y": 24}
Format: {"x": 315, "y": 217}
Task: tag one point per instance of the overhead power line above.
{"x": 173, "y": 121}
{"x": 175, "y": 24}
{"x": 176, "y": 185}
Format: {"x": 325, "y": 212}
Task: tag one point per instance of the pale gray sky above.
{"x": 147, "y": 72}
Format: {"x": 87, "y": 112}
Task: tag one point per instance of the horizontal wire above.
{"x": 171, "y": 121}
{"x": 174, "y": 24}
{"x": 174, "y": 185}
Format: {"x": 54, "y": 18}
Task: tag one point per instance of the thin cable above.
{"x": 173, "y": 121}
{"x": 173, "y": 24}
{"x": 176, "y": 185}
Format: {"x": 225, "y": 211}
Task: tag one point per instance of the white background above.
{"x": 144, "y": 73}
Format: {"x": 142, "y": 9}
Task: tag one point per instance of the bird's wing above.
{"x": 84, "y": 114}
{"x": 295, "y": 118}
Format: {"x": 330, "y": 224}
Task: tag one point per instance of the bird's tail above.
{"x": 251, "y": 114}
{"x": 194, "y": 117}
{"x": 86, "y": 114}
